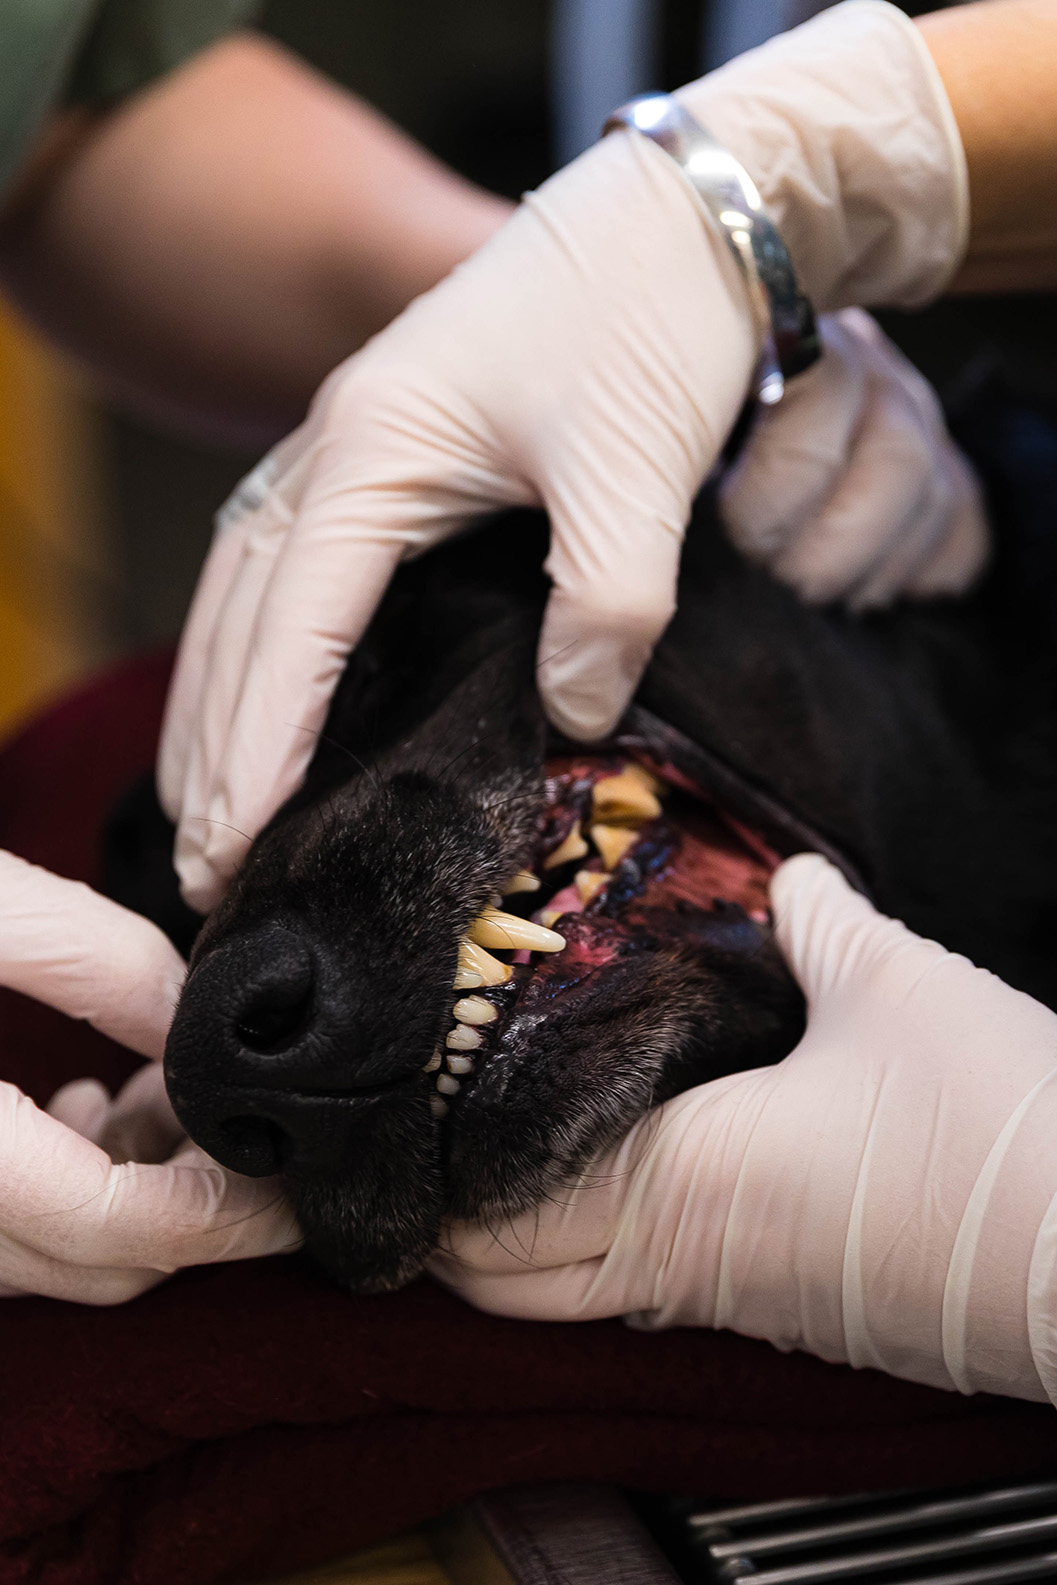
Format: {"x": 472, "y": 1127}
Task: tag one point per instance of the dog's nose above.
{"x": 248, "y": 1071}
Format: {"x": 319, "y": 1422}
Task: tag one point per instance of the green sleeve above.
{"x": 79, "y": 51}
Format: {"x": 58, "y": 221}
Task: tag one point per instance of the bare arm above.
{"x": 216, "y": 244}
{"x": 998, "y": 61}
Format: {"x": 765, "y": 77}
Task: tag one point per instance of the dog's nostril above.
{"x": 256, "y": 1146}
{"x": 269, "y": 1023}
{"x": 278, "y": 1003}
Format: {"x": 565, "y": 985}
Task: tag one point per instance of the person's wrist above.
{"x": 846, "y": 129}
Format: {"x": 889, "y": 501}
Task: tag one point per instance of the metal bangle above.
{"x": 785, "y": 319}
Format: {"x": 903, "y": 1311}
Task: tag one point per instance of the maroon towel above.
{"x": 244, "y": 1420}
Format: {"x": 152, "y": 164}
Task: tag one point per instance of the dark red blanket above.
{"x": 241, "y": 1421}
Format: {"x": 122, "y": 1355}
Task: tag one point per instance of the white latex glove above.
{"x": 590, "y": 358}
{"x": 885, "y": 1196}
{"x": 851, "y": 488}
{"x": 75, "y": 1224}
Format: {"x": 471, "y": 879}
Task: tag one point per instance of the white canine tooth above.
{"x": 475, "y": 1010}
{"x": 588, "y": 882}
{"x": 626, "y": 799}
{"x": 523, "y": 881}
{"x": 434, "y": 1062}
{"x": 495, "y": 929}
{"x": 574, "y": 847}
{"x": 447, "y": 1085}
{"x": 459, "y": 1064}
{"x": 463, "y": 1038}
{"x": 612, "y": 842}
{"x": 485, "y": 969}
{"x": 438, "y": 1106}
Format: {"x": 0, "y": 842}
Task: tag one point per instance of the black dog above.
{"x": 917, "y": 748}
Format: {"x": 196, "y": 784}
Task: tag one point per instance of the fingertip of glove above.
{"x": 200, "y": 886}
{"x": 804, "y": 882}
{"x": 583, "y": 722}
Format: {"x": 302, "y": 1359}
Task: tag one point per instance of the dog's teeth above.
{"x": 463, "y": 1038}
{"x": 447, "y": 1085}
{"x": 574, "y": 847}
{"x": 434, "y": 1062}
{"x": 475, "y": 961}
{"x": 627, "y": 799}
{"x": 495, "y": 929}
{"x": 550, "y": 916}
{"x": 612, "y": 842}
{"x": 438, "y": 1106}
{"x": 459, "y": 1064}
{"x": 588, "y": 882}
{"x": 523, "y": 881}
{"x": 475, "y": 1010}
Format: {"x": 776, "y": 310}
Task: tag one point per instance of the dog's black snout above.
{"x": 268, "y": 1064}
{"x": 244, "y": 1044}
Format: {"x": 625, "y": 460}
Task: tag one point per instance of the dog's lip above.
{"x": 656, "y": 872}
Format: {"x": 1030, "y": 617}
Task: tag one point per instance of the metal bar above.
{"x": 851, "y": 1564}
{"x": 758, "y": 1510}
{"x": 910, "y": 1518}
{"x": 994, "y": 1573}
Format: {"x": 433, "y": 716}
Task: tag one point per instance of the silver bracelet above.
{"x": 785, "y": 319}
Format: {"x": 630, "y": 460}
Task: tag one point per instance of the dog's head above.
{"x": 441, "y": 983}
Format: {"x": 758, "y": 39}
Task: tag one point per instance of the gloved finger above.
{"x": 66, "y": 945}
{"x": 140, "y": 1124}
{"x": 277, "y": 481}
{"x": 24, "y": 1271}
{"x": 881, "y": 505}
{"x": 906, "y": 548}
{"x": 83, "y": 1105}
{"x": 796, "y": 449}
{"x": 613, "y": 596}
{"x": 831, "y": 936}
{"x": 183, "y": 703}
{"x": 366, "y": 506}
{"x": 961, "y": 555}
{"x": 63, "y": 1197}
{"x": 294, "y": 656}
{"x": 228, "y": 654}
{"x": 558, "y": 1293}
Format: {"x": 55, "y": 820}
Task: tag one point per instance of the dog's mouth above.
{"x": 626, "y": 863}
{"x": 442, "y": 994}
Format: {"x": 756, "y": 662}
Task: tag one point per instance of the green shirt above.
{"x": 55, "y": 52}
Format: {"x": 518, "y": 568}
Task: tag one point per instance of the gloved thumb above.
{"x": 613, "y": 597}
{"x": 831, "y": 936}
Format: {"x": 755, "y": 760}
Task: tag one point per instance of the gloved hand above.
{"x": 590, "y": 358}
{"x": 851, "y": 488}
{"x": 73, "y": 1224}
{"x": 886, "y": 1196}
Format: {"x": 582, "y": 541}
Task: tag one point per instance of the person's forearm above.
{"x": 998, "y": 61}
{"x": 215, "y": 245}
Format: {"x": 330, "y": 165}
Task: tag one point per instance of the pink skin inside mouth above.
{"x": 714, "y": 856}
{"x": 693, "y": 855}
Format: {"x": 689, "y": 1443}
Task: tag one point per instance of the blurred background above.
{"x": 104, "y": 521}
